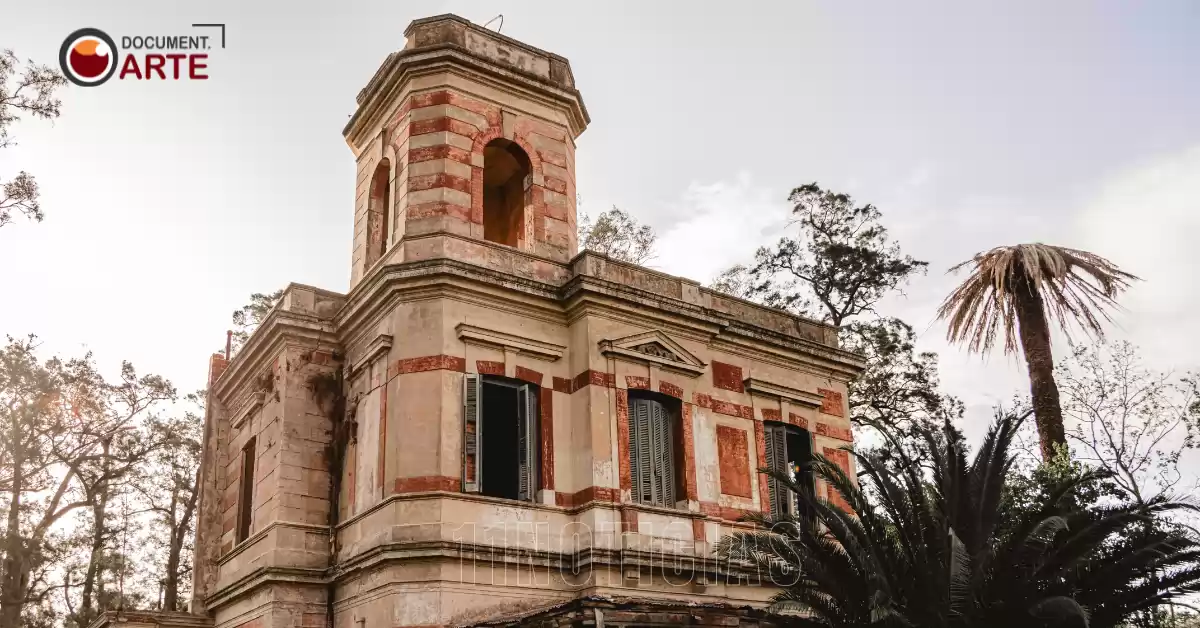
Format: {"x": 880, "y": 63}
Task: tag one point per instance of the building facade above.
{"x": 491, "y": 424}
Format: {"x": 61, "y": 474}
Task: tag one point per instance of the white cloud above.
{"x": 1147, "y": 220}
{"x": 719, "y": 224}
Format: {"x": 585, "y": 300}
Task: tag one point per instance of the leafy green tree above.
{"x": 248, "y": 317}
{"x": 840, "y": 266}
{"x": 29, "y": 92}
{"x": 617, "y": 234}
{"x": 55, "y": 418}
{"x": 169, "y": 486}
{"x": 947, "y": 544}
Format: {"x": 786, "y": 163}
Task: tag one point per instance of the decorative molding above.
{"x": 654, "y": 347}
{"x": 255, "y": 401}
{"x": 795, "y": 395}
{"x": 381, "y": 345}
{"x": 521, "y": 344}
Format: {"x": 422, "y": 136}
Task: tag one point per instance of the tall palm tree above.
{"x": 947, "y": 546}
{"x": 1022, "y": 289}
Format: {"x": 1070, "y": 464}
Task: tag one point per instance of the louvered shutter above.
{"x": 663, "y": 456}
{"x": 640, "y": 460}
{"x": 472, "y": 432}
{"x": 526, "y": 442}
{"x": 777, "y": 459}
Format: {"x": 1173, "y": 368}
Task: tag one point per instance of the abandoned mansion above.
{"x": 493, "y": 427}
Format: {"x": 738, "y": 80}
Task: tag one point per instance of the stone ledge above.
{"x": 523, "y": 345}
{"x": 150, "y": 619}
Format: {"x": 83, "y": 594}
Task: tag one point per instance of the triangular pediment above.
{"x": 654, "y": 347}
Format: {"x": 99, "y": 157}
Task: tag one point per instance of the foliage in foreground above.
{"x": 949, "y": 545}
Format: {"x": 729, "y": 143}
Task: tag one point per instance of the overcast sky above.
{"x": 1074, "y": 123}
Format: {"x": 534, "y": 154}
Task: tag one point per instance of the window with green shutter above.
{"x": 500, "y": 437}
{"x": 654, "y": 449}
{"x": 788, "y": 449}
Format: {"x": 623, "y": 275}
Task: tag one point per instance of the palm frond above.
{"x": 1077, "y": 289}
{"x": 946, "y": 549}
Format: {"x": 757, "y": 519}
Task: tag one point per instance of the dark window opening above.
{"x": 378, "y": 210}
{"x": 500, "y": 435}
{"x": 655, "y": 453}
{"x": 506, "y": 171}
{"x": 245, "y": 512}
{"x": 789, "y": 449}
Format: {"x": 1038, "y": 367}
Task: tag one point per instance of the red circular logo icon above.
{"x": 88, "y": 57}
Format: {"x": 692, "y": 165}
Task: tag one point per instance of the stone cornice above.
{"x": 786, "y": 350}
{"x": 263, "y": 533}
{"x": 375, "y": 293}
{"x": 253, "y": 402}
{"x": 281, "y": 326}
{"x": 400, "y": 67}
{"x": 272, "y": 335}
{"x": 757, "y": 386}
{"x": 380, "y": 346}
{"x": 529, "y": 346}
{"x": 586, "y": 293}
{"x": 160, "y": 619}
{"x": 263, "y": 576}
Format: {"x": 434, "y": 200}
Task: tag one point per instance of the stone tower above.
{"x": 464, "y": 135}
{"x": 492, "y": 427}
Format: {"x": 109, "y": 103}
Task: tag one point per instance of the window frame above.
{"x": 528, "y": 432}
{"x": 245, "y": 511}
{"x": 656, "y": 451}
{"x": 775, "y": 436}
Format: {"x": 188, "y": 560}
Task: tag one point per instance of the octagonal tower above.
{"x": 464, "y": 136}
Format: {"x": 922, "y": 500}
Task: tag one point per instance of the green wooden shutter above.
{"x": 640, "y": 460}
{"x": 472, "y": 432}
{"x": 776, "y": 448}
{"x": 526, "y": 442}
{"x": 662, "y": 454}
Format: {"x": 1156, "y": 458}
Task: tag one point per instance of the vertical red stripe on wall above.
{"x": 382, "y": 437}
{"x": 546, "y": 421}
{"x": 689, "y": 454}
{"x": 626, "y": 473}
{"x": 760, "y": 444}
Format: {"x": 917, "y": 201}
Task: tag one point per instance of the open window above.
{"x": 378, "y": 211}
{"x": 245, "y": 507}
{"x": 655, "y": 456}
{"x": 500, "y": 437}
{"x": 506, "y": 175}
{"x": 789, "y": 449}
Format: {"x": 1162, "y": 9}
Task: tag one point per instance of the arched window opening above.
{"x": 505, "y": 170}
{"x": 378, "y": 210}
